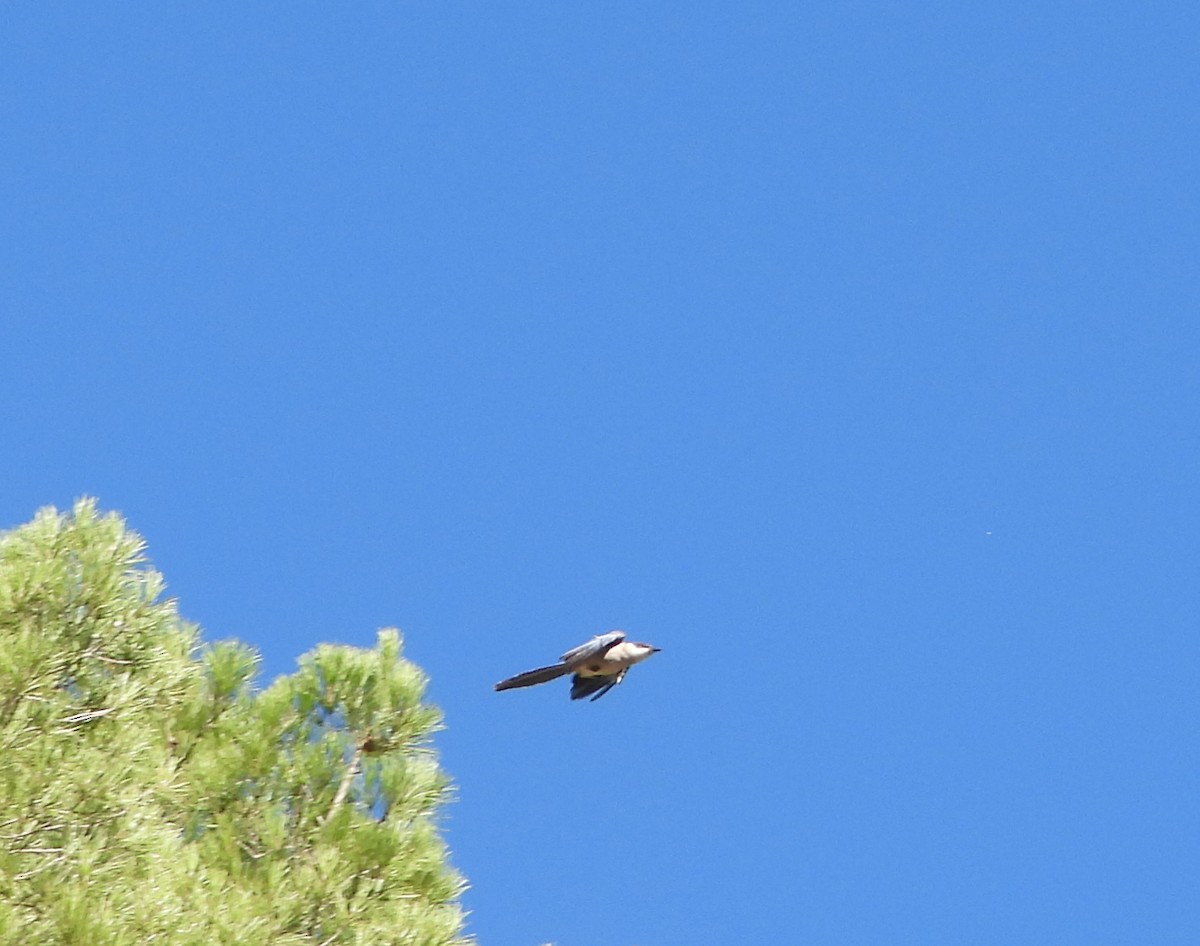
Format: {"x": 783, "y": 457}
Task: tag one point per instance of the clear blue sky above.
{"x": 849, "y": 352}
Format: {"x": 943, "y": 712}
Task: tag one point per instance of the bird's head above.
{"x": 644, "y": 650}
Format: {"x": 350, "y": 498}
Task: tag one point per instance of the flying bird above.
{"x": 599, "y": 665}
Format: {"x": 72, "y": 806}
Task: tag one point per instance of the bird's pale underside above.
{"x": 598, "y": 666}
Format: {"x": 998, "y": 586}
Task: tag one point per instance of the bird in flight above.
{"x": 599, "y": 665}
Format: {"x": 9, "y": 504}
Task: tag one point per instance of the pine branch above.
{"x": 347, "y": 780}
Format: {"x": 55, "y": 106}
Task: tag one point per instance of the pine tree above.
{"x": 149, "y": 794}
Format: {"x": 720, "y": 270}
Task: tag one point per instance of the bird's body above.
{"x": 598, "y": 666}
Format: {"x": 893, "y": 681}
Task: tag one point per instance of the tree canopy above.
{"x": 149, "y": 793}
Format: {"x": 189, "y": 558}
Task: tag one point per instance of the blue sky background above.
{"x": 846, "y": 351}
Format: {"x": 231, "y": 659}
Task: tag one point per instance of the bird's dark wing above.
{"x": 596, "y": 647}
{"x": 533, "y": 677}
{"x": 586, "y": 686}
{"x": 595, "y": 687}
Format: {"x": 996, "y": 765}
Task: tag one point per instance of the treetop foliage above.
{"x": 150, "y": 794}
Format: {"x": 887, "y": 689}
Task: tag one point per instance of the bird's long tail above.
{"x": 533, "y": 677}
